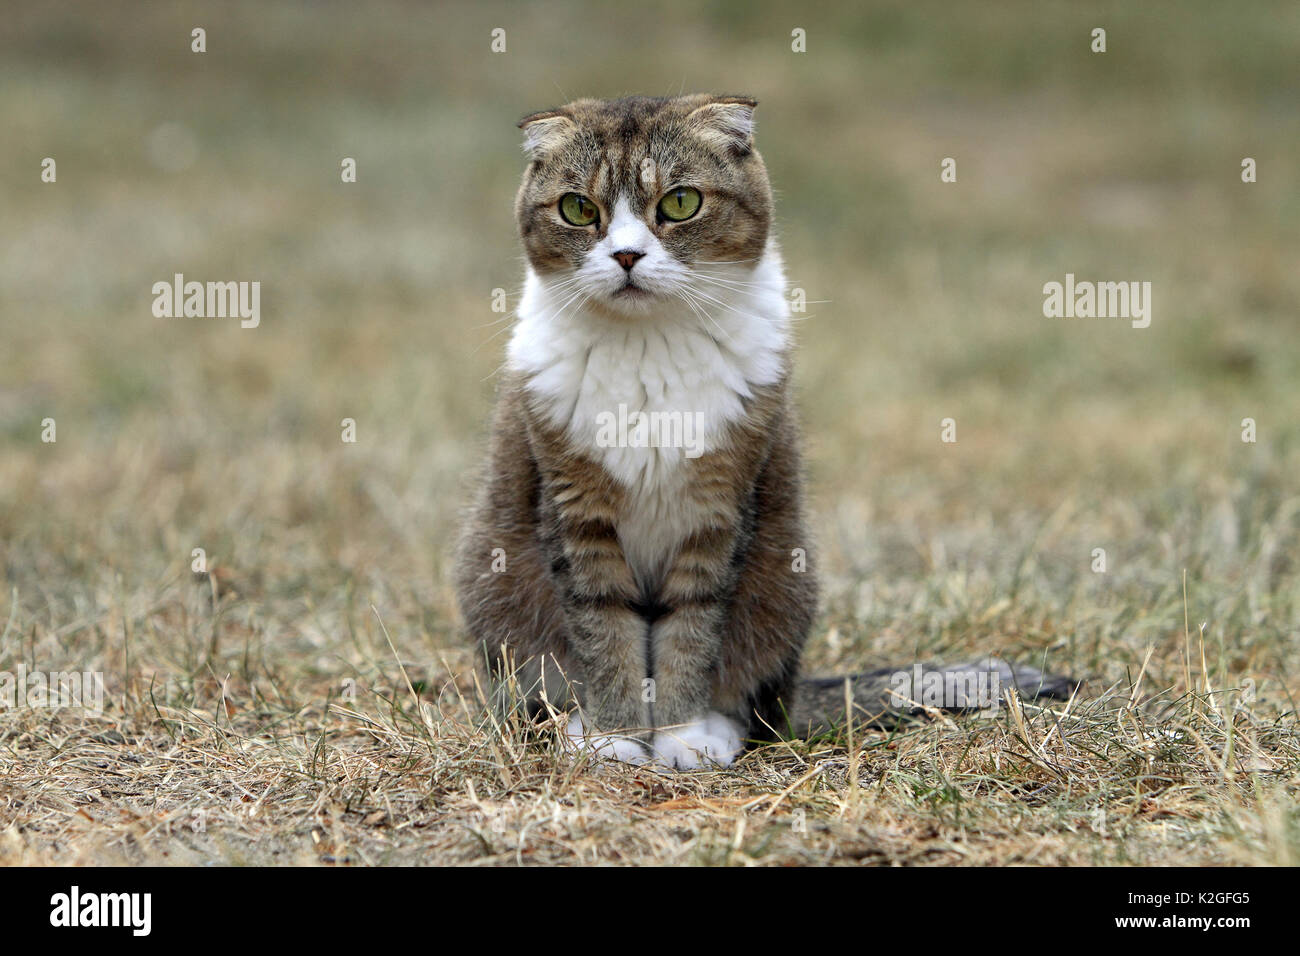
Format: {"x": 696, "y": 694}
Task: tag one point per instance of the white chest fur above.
{"x": 677, "y": 364}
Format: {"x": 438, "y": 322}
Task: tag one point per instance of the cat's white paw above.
{"x": 604, "y": 746}
{"x": 711, "y": 740}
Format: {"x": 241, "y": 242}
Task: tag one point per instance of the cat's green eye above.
{"x": 578, "y": 210}
{"x": 680, "y": 203}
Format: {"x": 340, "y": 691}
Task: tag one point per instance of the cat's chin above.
{"x": 631, "y": 293}
{"x": 628, "y": 302}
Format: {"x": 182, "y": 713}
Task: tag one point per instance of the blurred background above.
{"x": 376, "y": 302}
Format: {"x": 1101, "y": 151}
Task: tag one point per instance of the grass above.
{"x": 257, "y": 712}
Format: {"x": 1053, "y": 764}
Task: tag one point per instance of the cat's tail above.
{"x": 882, "y": 698}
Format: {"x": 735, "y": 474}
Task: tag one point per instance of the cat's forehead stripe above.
{"x": 600, "y": 180}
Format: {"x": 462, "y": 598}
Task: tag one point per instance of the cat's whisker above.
{"x": 757, "y": 286}
{"x": 548, "y": 316}
{"x": 488, "y": 340}
{"x": 704, "y": 301}
{"x": 508, "y": 318}
{"x": 494, "y": 373}
{"x": 563, "y": 285}
{"x": 730, "y": 276}
{"x": 689, "y": 298}
{"x": 729, "y": 284}
{"x": 735, "y": 277}
{"x": 720, "y": 290}
{"x": 724, "y": 305}
{"x": 685, "y": 296}
{"x": 565, "y": 304}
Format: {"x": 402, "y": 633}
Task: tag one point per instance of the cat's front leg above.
{"x": 606, "y": 636}
{"x": 607, "y": 645}
{"x": 686, "y": 648}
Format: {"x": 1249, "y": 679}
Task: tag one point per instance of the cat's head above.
{"x": 628, "y": 197}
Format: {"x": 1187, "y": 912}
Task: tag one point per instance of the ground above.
{"x": 310, "y": 696}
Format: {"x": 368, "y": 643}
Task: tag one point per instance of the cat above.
{"x": 664, "y": 587}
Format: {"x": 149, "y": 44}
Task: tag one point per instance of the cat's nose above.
{"x": 627, "y": 258}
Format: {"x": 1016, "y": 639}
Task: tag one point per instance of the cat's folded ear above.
{"x": 728, "y": 122}
{"x": 544, "y": 131}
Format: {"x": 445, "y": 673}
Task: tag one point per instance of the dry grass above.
{"x": 416, "y": 774}
{"x": 376, "y": 306}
